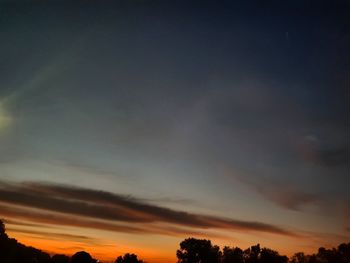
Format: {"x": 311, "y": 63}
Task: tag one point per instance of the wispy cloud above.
{"x": 67, "y": 205}
{"x": 53, "y": 235}
{"x": 20, "y": 223}
{"x": 45, "y": 217}
{"x": 318, "y": 152}
{"x": 282, "y": 194}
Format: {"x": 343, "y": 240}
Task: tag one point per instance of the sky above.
{"x": 128, "y": 126}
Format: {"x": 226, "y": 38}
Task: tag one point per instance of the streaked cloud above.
{"x": 68, "y": 204}
{"x": 53, "y": 235}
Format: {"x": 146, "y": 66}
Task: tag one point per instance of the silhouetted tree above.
{"x": 299, "y": 257}
{"x": 251, "y": 255}
{"x": 128, "y": 258}
{"x": 198, "y": 251}
{"x": 313, "y": 259}
{"x": 13, "y": 252}
{"x": 270, "y": 256}
{"x": 26, "y": 254}
{"x": 328, "y": 255}
{"x": 82, "y": 257}
{"x": 2, "y": 230}
{"x": 232, "y": 255}
{"x": 344, "y": 252}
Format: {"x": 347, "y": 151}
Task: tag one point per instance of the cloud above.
{"x": 346, "y": 213}
{"x": 52, "y": 234}
{"x": 287, "y": 196}
{"x": 317, "y": 152}
{"x": 45, "y": 218}
{"x": 62, "y": 219}
{"x": 19, "y": 223}
{"x": 334, "y": 156}
{"x": 5, "y": 118}
{"x": 67, "y": 205}
{"x": 283, "y": 194}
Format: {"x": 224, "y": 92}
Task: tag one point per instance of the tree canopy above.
{"x": 128, "y": 258}
{"x": 198, "y": 251}
{"x": 82, "y": 257}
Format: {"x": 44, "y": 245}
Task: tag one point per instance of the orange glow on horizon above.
{"x": 104, "y": 252}
{"x": 153, "y": 249}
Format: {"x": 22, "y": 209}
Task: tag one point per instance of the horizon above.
{"x": 127, "y": 126}
{"x": 339, "y": 253}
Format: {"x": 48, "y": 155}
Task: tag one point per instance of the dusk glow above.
{"x": 128, "y": 126}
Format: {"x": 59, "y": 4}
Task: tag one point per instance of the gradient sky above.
{"x": 127, "y": 126}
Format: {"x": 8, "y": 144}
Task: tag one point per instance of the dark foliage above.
{"x": 60, "y": 259}
{"x": 341, "y": 254}
{"x": 232, "y": 255}
{"x": 13, "y": 252}
{"x": 2, "y": 231}
{"x": 128, "y": 258}
{"x": 198, "y": 251}
{"x": 82, "y": 257}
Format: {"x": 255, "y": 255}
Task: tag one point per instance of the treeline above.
{"x": 203, "y": 251}
{"x": 191, "y": 251}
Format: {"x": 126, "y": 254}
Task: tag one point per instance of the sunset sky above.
{"x": 128, "y": 126}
